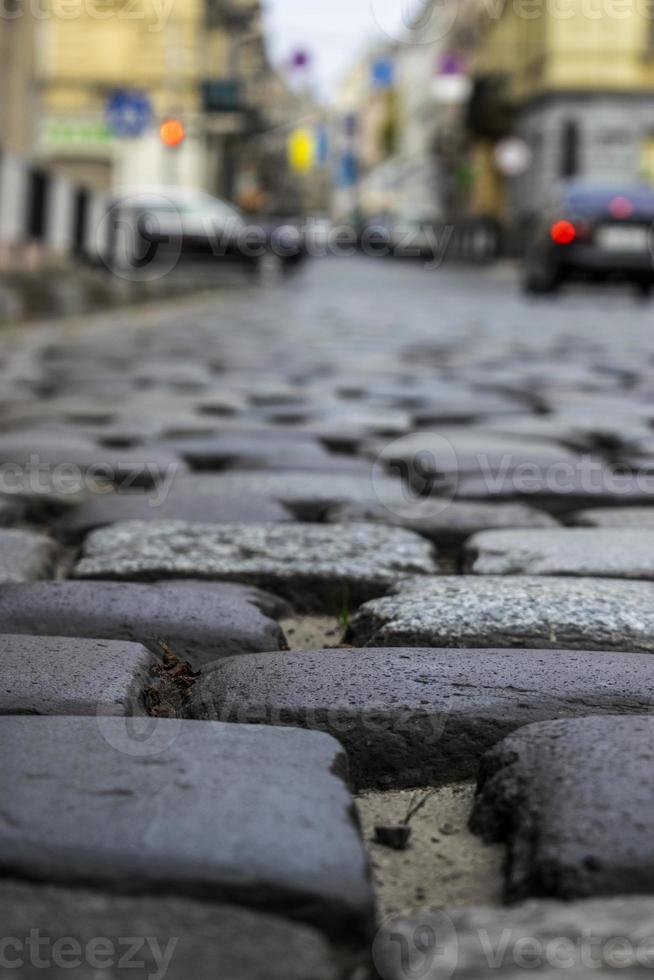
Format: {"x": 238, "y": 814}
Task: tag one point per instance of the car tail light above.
{"x": 563, "y": 232}
{"x": 621, "y": 207}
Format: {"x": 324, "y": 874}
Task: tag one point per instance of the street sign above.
{"x": 382, "y": 73}
{"x": 322, "y": 145}
{"x": 300, "y": 59}
{"x": 301, "y": 150}
{"x": 451, "y": 85}
{"x": 128, "y": 113}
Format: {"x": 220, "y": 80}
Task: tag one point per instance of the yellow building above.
{"x": 185, "y": 59}
{"x": 575, "y": 80}
{"x": 17, "y": 77}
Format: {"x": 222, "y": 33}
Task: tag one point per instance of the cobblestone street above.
{"x": 327, "y": 612}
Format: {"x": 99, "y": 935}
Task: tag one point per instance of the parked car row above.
{"x": 164, "y": 225}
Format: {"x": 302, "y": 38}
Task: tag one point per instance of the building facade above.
{"x": 575, "y": 80}
{"x": 111, "y": 75}
{"x": 18, "y": 88}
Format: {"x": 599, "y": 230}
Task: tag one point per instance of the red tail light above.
{"x": 621, "y": 207}
{"x": 563, "y": 232}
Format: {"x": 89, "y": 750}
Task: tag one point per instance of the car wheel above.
{"x": 644, "y": 290}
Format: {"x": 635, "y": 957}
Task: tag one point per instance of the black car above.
{"x": 592, "y": 232}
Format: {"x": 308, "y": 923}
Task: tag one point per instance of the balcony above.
{"x": 223, "y": 95}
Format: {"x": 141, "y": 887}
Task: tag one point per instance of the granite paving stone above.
{"x": 308, "y": 495}
{"x": 549, "y": 940}
{"x": 44, "y": 452}
{"x": 573, "y": 801}
{"x": 314, "y": 565}
{"x": 51, "y": 675}
{"x": 597, "y": 552}
{"x": 624, "y": 517}
{"x": 198, "y": 621}
{"x": 446, "y": 522}
{"x": 516, "y": 611}
{"x": 118, "y": 936}
{"x": 561, "y": 488}
{"x": 455, "y": 452}
{"x": 410, "y": 717}
{"x": 12, "y": 510}
{"x": 259, "y": 452}
{"x": 249, "y": 814}
{"x": 465, "y": 407}
{"x": 178, "y": 505}
{"x": 563, "y": 430}
{"x": 25, "y": 556}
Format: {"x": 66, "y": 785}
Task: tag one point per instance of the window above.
{"x": 569, "y": 149}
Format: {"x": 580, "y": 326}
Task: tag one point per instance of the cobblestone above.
{"x": 48, "y": 675}
{"x": 638, "y": 518}
{"x": 603, "y": 553}
{"x": 124, "y": 936}
{"x": 518, "y": 611}
{"x": 197, "y": 508}
{"x": 578, "y": 792}
{"x": 198, "y": 622}
{"x": 250, "y": 814}
{"x": 24, "y": 556}
{"x": 132, "y": 467}
{"x": 12, "y": 509}
{"x": 410, "y": 717}
{"x": 308, "y": 495}
{"x": 545, "y": 938}
{"x": 447, "y": 525}
{"x": 260, "y": 452}
{"x": 312, "y": 564}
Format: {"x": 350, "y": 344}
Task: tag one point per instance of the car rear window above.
{"x": 599, "y": 199}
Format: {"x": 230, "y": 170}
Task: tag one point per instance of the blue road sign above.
{"x": 382, "y": 73}
{"x": 128, "y": 113}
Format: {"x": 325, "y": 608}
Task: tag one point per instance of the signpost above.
{"x": 128, "y": 113}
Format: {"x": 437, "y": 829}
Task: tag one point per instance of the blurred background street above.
{"x": 227, "y": 133}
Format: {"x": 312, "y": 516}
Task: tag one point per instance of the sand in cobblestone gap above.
{"x": 444, "y": 864}
{"x": 312, "y": 632}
